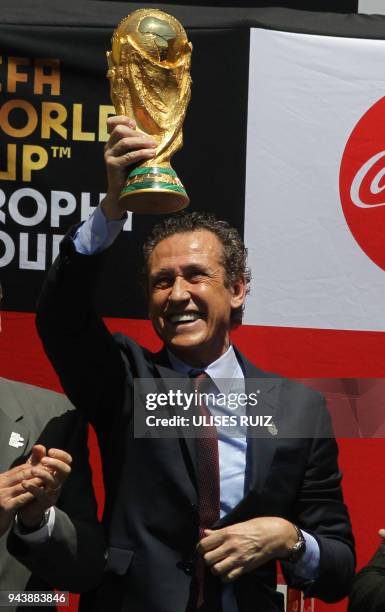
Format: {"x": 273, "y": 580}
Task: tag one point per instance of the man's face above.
{"x": 189, "y": 303}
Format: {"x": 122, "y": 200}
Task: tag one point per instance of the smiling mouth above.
{"x": 184, "y": 317}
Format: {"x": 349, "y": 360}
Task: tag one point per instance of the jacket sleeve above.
{"x": 82, "y": 351}
{"x": 368, "y": 591}
{"x": 73, "y": 557}
{"x": 320, "y": 510}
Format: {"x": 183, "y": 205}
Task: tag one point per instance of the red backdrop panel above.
{"x": 290, "y": 352}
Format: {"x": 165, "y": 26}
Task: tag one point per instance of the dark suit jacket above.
{"x": 368, "y": 591}
{"x": 151, "y": 490}
{"x": 73, "y": 558}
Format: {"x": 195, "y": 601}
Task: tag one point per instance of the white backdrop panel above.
{"x": 306, "y": 94}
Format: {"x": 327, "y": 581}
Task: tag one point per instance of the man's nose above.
{"x": 180, "y": 290}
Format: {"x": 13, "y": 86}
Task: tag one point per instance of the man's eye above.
{"x": 197, "y": 276}
{"x": 162, "y": 281}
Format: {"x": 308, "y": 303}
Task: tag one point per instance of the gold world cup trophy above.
{"x": 149, "y": 73}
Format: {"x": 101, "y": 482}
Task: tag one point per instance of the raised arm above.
{"x": 78, "y": 344}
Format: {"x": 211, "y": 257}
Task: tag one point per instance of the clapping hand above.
{"x": 13, "y": 494}
{"x": 49, "y": 471}
{"x": 28, "y": 490}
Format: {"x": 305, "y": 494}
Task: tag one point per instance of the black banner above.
{"x": 54, "y": 105}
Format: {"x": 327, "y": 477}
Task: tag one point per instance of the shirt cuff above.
{"x": 308, "y": 566}
{"x": 97, "y": 233}
{"x": 39, "y": 535}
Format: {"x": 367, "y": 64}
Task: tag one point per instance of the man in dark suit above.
{"x": 368, "y": 591}
{"x": 246, "y": 502}
{"x": 45, "y": 482}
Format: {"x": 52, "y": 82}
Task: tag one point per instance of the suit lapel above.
{"x": 188, "y": 444}
{"x": 14, "y": 435}
{"x": 261, "y": 442}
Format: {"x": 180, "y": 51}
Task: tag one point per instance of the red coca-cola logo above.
{"x": 362, "y": 183}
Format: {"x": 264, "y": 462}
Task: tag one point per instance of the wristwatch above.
{"x": 299, "y": 547}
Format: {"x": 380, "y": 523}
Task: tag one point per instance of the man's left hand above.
{"x": 53, "y": 468}
{"x": 240, "y": 548}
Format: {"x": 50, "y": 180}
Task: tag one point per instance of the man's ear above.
{"x": 238, "y": 291}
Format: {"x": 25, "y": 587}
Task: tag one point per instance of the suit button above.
{"x": 187, "y": 567}
{"x": 194, "y": 508}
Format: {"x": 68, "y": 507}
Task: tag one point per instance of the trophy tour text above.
{"x": 43, "y": 118}
{"x": 39, "y": 125}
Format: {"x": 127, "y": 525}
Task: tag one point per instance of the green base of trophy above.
{"x": 154, "y": 190}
